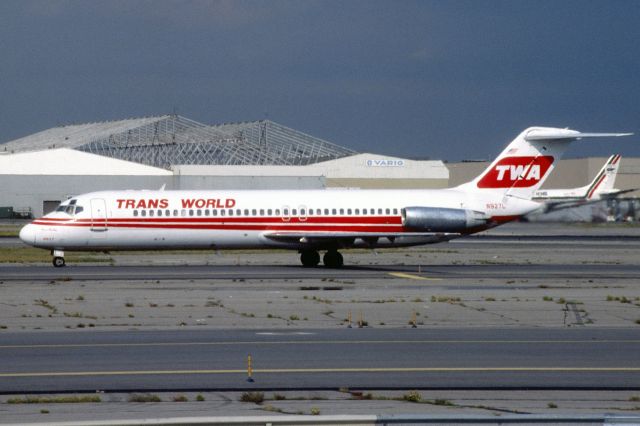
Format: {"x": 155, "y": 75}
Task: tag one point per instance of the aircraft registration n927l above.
{"x": 308, "y": 221}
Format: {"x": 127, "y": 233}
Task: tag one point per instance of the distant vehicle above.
{"x": 308, "y": 221}
{"x": 600, "y": 188}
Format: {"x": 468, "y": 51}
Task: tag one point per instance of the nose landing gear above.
{"x": 58, "y": 258}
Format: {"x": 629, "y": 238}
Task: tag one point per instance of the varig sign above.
{"x": 385, "y": 163}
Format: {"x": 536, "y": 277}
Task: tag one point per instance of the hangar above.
{"x": 40, "y": 170}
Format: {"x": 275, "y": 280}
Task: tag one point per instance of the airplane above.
{"x": 308, "y": 221}
{"x": 600, "y": 188}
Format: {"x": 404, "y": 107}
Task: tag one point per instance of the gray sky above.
{"x": 444, "y": 79}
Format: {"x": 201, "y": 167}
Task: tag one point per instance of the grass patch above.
{"x": 445, "y": 299}
{"x": 55, "y": 400}
{"x": 412, "y": 396}
{"x": 144, "y": 397}
{"x": 10, "y": 231}
{"x": 36, "y": 255}
{"x": 255, "y": 397}
{"x": 180, "y": 398}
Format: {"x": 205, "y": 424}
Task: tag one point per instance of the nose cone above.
{"x": 28, "y": 234}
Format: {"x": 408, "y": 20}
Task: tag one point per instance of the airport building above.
{"x": 40, "y": 170}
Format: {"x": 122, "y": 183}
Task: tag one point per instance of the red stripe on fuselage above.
{"x": 338, "y": 224}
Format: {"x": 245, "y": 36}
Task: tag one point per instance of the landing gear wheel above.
{"x": 309, "y": 258}
{"x": 58, "y": 262}
{"x": 333, "y": 259}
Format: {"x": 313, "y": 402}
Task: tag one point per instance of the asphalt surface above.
{"x": 230, "y": 272}
{"x": 464, "y": 358}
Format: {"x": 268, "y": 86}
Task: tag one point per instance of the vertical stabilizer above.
{"x": 527, "y": 161}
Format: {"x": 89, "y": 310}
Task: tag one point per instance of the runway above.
{"x": 321, "y": 359}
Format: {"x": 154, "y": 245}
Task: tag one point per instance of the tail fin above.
{"x": 526, "y": 162}
{"x": 605, "y": 179}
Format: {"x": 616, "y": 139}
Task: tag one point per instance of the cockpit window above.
{"x": 70, "y": 208}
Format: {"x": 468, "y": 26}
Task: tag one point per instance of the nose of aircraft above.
{"x": 28, "y": 234}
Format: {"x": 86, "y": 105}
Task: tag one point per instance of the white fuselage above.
{"x": 128, "y": 220}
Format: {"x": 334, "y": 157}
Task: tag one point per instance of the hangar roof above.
{"x": 168, "y": 140}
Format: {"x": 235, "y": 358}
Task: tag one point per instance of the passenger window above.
{"x": 214, "y": 212}
{"x": 230, "y": 212}
{"x": 269, "y": 212}
{"x": 302, "y": 212}
{"x": 294, "y": 212}
{"x": 357, "y": 211}
{"x": 261, "y": 212}
{"x": 159, "y": 212}
{"x": 395, "y": 211}
{"x": 199, "y": 212}
{"x": 238, "y": 212}
{"x": 379, "y": 211}
{"x": 222, "y": 212}
{"x": 184, "y": 212}
{"x": 135, "y": 213}
{"x": 167, "y": 212}
{"x": 246, "y": 212}
{"x": 326, "y": 212}
{"x": 254, "y": 212}
{"x": 278, "y": 212}
{"x": 151, "y": 213}
{"x": 341, "y": 211}
{"x": 364, "y": 212}
{"x": 348, "y": 211}
{"x": 190, "y": 212}
{"x": 206, "y": 212}
{"x": 387, "y": 211}
{"x": 175, "y": 212}
{"x": 143, "y": 212}
{"x": 318, "y": 212}
{"x": 334, "y": 212}
{"x": 286, "y": 212}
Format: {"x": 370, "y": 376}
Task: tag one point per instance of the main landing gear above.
{"x": 331, "y": 259}
{"x": 58, "y": 258}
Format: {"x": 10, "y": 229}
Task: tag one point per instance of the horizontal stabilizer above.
{"x": 556, "y": 134}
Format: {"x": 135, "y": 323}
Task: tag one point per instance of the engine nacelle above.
{"x": 440, "y": 219}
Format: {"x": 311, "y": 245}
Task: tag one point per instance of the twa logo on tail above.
{"x": 518, "y": 172}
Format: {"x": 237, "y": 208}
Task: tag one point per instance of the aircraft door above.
{"x": 98, "y": 215}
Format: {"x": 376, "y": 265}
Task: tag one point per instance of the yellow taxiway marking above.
{"x": 331, "y": 370}
{"x": 313, "y": 342}
{"x": 413, "y": 277}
